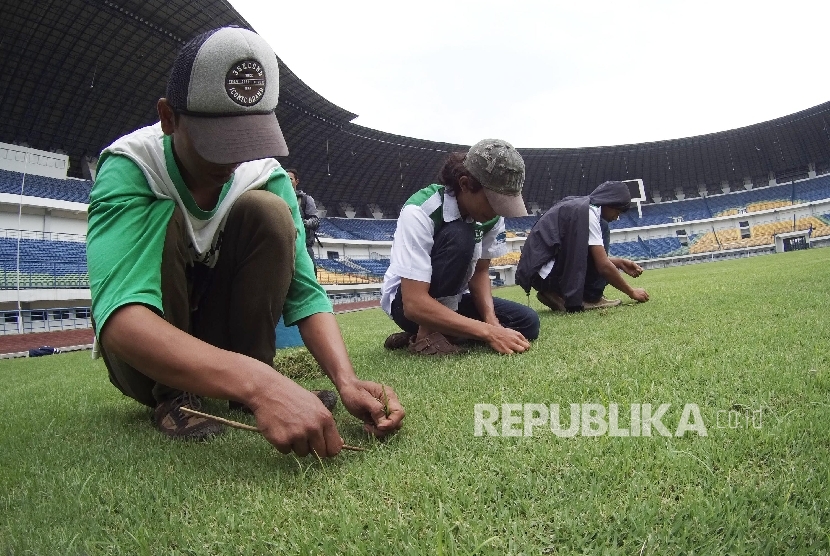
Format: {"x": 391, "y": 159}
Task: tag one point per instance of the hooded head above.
{"x": 612, "y": 194}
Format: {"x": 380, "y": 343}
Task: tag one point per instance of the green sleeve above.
{"x": 125, "y": 239}
{"x": 305, "y": 295}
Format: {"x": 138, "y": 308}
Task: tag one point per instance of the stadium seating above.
{"x": 666, "y": 247}
{"x": 328, "y": 229}
{"x": 762, "y": 234}
{"x": 43, "y": 264}
{"x": 814, "y": 189}
{"x": 753, "y": 200}
{"x": 73, "y": 190}
{"x": 62, "y": 264}
{"x": 508, "y": 259}
{"x": 366, "y": 229}
{"x": 626, "y": 220}
{"x": 374, "y": 267}
{"x": 333, "y": 265}
{"x": 664, "y": 213}
{"x": 344, "y": 271}
{"x": 520, "y": 224}
{"x": 628, "y": 250}
{"x": 648, "y": 248}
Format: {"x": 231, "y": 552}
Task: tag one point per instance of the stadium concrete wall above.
{"x": 48, "y": 216}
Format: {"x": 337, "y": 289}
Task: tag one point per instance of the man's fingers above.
{"x": 395, "y": 411}
{"x": 512, "y": 343}
{"x": 313, "y": 430}
{"x": 378, "y": 410}
{"x": 386, "y": 413}
{"x": 283, "y": 448}
{"x": 301, "y": 447}
{"x": 334, "y": 442}
{"x": 327, "y": 442}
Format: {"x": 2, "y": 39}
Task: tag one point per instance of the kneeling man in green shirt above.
{"x": 196, "y": 248}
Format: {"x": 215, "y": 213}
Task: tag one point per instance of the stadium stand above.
{"x": 762, "y": 234}
{"x": 328, "y": 229}
{"x": 43, "y": 264}
{"x": 366, "y": 229}
{"x": 665, "y": 213}
{"x": 727, "y": 204}
{"x": 666, "y": 247}
{"x": 74, "y": 190}
{"x": 343, "y": 271}
{"x": 507, "y": 259}
{"x": 333, "y": 265}
{"x": 626, "y": 220}
{"x": 374, "y": 267}
{"x": 753, "y": 200}
{"x": 520, "y": 225}
{"x": 814, "y": 189}
{"x": 629, "y": 250}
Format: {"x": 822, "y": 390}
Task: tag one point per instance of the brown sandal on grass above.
{"x": 435, "y": 344}
{"x": 398, "y": 340}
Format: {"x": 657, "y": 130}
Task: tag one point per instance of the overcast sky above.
{"x": 554, "y": 74}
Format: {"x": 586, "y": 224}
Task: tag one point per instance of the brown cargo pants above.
{"x": 236, "y": 304}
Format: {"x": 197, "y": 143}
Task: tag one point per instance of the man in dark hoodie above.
{"x": 565, "y": 258}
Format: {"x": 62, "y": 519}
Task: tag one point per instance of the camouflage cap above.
{"x": 499, "y": 168}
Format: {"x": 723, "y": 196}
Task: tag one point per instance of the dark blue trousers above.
{"x": 591, "y": 291}
{"x": 451, "y": 254}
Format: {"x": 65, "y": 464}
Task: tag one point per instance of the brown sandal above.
{"x": 434, "y": 344}
{"x": 399, "y": 340}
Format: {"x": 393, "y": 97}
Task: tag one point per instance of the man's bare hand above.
{"x": 630, "y": 267}
{"x": 375, "y": 404}
{"x": 293, "y": 419}
{"x": 639, "y": 294}
{"x": 507, "y": 340}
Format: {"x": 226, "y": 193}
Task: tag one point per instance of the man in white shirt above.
{"x": 438, "y": 282}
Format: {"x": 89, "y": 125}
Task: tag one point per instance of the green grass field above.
{"x": 82, "y": 471}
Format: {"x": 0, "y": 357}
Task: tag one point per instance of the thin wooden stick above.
{"x": 228, "y": 422}
{"x": 244, "y": 427}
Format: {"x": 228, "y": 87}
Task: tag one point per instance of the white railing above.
{"x": 45, "y": 320}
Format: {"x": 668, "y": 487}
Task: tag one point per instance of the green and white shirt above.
{"x": 137, "y": 187}
{"x": 422, "y": 215}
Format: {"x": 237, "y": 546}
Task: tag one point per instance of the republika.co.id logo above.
{"x": 591, "y": 419}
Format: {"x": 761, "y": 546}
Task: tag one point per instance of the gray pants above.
{"x": 236, "y": 304}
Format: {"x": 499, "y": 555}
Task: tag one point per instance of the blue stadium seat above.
{"x": 520, "y": 223}
{"x": 44, "y": 263}
{"x": 375, "y": 267}
{"x": 328, "y": 229}
{"x": 628, "y": 250}
{"x": 664, "y": 213}
{"x": 333, "y": 265}
{"x": 815, "y": 189}
{"x": 46, "y": 188}
{"x": 366, "y": 229}
{"x": 719, "y": 204}
{"x": 665, "y": 247}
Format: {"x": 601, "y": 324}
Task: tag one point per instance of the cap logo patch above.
{"x": 245, "y": 82}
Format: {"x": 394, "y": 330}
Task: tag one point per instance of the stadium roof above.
{"x": 80, "y": 73}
